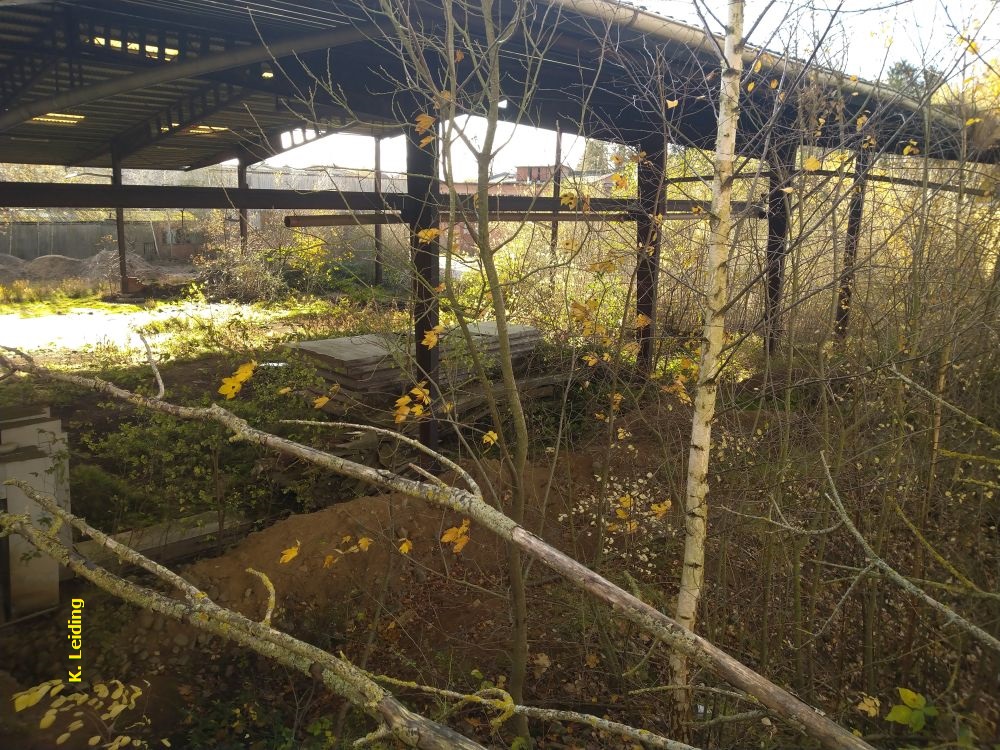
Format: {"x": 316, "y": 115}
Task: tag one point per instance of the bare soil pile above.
{"x": 104, "y": 265}
{"x": 11, "y": 268}
{"x": 50, "y": 267}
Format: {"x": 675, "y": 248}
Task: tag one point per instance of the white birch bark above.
{"x": 713, "y": 339}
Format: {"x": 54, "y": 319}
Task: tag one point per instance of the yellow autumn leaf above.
{"x": 400, "y": 414}
{"x": 230, "y": 387}
{"x": 244, "y": 371}
{"x": 403, "y": 400}
{"x": 671, "y": 103}
{"x": 426, "y": 140}
{"x": 320, "y": 402}
{"x": 460, "y": 544}
{"x": 432, "y": 335}
{"x": 440, "y": 288}
{"x": 459, "y": 55}
{"x": 869, "y": 705}
{"x": 287, "y": 555}
{"x": 631, "y": 526}
{"x": 48, "y": 720}
{"x": 638, "y": 157}
{"x": 568, "y": 199}
{"x": 774, "y": 83}
{"x": 426, "y": 236}
{"x": 642, "y": 320}
{"x": 602, "y": 266}
{"x": 364, "y": 543}
{"x": 455, "y": 532}
{"x": 329, "y": 560}
{"x": 421, "y": 392}
{"x": 590, "y": 359}
{"x": 969, "y": 44}
{"x": 789, "y": 190}
{"x": 862, "y": 119}
{"x": 405, "y": 545}
{"x": 751, "y": 86}
{"x": 811, "y": 164}
{"x": 29, "y": 698}
{"x": 490, "y": 437}
{"x": 619, "y": 181}
{"x": 660, "y": 509}
{"x": 424, "y": 122}
{"x": 973, "y": 121}
{"x": 579, "y": 310}
{"x": 911, "y": 149}
{"x": 591, "y": 660}
{"x": 757, "y": 66}
{"x": 283, "y": 391}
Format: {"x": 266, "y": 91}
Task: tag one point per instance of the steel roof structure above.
{"x": 180, "y": 84}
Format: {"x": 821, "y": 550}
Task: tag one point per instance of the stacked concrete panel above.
{"x": 32, "y": 449}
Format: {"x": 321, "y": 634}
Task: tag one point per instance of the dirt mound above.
{"x": 11, "y": 263}
{"x": 48, "y": 267}
{"x": 11, "y": 268}
{"x": 329, "y": 564}
{"x": 104, "y": 265}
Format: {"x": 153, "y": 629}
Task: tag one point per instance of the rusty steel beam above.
{"x": 60, "y": 195}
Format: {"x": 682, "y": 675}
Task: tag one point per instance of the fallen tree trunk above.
{"x": 779, "y": 701}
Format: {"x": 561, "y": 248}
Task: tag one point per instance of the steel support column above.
{"x": 855, "y": 212}
{"x": 421, "y": 213}
{"x": 379, "y": 247}
{"x": 116, "y": 181}
{"x": 778, "y": 218}
{"x": 647, "y": 229}
{"x": 242, "y": 184}
{"x": 556, "y": 190}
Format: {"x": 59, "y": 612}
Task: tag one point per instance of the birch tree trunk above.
{"x": 713, "y": 335}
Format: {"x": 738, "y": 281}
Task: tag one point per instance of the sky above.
{"x": 867, "y": 37}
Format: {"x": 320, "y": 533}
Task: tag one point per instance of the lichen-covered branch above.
{"x": 337, "y": 674}
{"x": 951, "y": 616}
{"x": 500, "y": 700}
{"x": 778, "y": 701}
